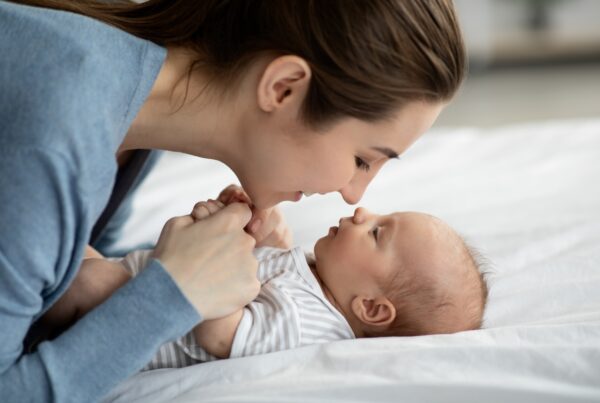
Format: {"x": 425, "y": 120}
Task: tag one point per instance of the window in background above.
{"x": 529, "y": 60}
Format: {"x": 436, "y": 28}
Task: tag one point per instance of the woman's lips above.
{"x": 298, "y": 195}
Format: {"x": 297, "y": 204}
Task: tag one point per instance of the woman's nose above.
{"x": 353, "y": 191}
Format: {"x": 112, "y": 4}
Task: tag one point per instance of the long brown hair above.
{"x": 368, "y": 57}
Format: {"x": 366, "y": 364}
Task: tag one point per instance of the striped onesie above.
{"x": 290, "y": 311}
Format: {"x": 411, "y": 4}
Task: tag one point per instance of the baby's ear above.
{"x": 376, "y": 312}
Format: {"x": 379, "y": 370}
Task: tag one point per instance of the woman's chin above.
{"x": 260, "y": 203}
{"x": 263, "y": 201}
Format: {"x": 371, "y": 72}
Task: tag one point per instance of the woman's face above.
{"x": 284, "y": 160}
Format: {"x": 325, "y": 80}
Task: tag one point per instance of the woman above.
{"x": 295, "y": 97}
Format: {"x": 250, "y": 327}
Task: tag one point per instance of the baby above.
{"x": 402, "y": 274}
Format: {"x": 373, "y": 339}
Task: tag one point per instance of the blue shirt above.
{"x": 70, "y": 87}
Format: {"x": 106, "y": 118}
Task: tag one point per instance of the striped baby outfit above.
{"x": 290, "y": 311}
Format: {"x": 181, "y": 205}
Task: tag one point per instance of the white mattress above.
{"x": 527, "y": 196}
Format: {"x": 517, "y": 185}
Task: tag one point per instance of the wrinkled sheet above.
{"x": 527, "y": 197}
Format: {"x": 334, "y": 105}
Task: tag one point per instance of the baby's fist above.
{"x": 233, "y": 194}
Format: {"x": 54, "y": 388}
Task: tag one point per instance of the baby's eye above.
{"x": 361, "y": 164}
{"x": 375, "y": 232}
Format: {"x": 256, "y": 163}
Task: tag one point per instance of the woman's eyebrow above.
{"x": 388, "y": 152}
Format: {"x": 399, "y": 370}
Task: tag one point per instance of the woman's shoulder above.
{"x": 40, "y": 38}
{"x": 51, "y": 30}
{"x": 66, "y": 77}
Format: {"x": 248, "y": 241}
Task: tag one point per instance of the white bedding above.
{"x": 528, "y": 197}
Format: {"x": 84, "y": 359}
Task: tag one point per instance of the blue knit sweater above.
{"x": 70, "y": 87}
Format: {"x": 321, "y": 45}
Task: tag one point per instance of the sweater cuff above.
{"x": 119, "y": 336}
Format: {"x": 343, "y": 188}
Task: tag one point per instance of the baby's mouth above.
{"x": 333, "y": 231}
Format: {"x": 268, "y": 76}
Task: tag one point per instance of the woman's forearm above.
{"x": 104, "y": 347}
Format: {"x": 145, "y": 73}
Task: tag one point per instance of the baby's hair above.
{"x": 422, "y": 307}
{"x": 483, "y": 266}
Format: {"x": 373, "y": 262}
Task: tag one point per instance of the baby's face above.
{"x": 366, "y": 250}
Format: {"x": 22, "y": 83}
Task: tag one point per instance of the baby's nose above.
{"x": 360, "y": 215}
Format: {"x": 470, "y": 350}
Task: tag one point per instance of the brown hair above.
{"x": 368, "y": 57}
{"x": 423, "y": 307}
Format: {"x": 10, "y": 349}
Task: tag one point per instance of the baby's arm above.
{"x": 96, "y": 280}
{"x": 216, "y": 336}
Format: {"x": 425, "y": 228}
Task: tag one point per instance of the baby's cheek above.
{"x": 388, "y": 273}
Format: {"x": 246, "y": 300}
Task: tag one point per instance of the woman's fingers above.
{"x": 200, "y": 211}
{"x": 178, "y": 222}
{"x": 204, "y": 209}
{"x": 267, "y": 227}
{"x": 236, "y": 215}
{"x": 211, "y": 260}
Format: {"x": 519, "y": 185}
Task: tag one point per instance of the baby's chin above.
{"x": 318, "y": 245}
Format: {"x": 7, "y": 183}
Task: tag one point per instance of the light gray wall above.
{"x": 546, "y": 78}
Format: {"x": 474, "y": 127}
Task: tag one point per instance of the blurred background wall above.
{"x": 529, "y": 60}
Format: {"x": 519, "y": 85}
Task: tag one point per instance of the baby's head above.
{"x": 402, "y": 274}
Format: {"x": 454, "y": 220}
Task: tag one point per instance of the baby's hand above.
{"x": 234, "y": 194}
{"x": 267, "y": 227}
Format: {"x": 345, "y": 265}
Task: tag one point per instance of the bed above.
{"x": 526, "y": 196}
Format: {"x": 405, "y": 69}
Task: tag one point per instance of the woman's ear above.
{"x": 376, "y": 312}
{"x": 284, "y": 81}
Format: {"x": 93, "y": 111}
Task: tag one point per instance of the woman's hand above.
{"x": 267, "y": 227}
{"x": 211, "y": 259}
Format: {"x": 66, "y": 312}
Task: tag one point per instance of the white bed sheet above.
{"x": 527, "y": 196}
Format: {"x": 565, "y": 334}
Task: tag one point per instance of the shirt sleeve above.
{"x": 269, "y": 323}
{"x": 136, "y": 261}
{"x": 188, "y": 345}
{"x": 169, "y": 355}
{"x": 39, "y": 241}
{"x": 272, "y": 262}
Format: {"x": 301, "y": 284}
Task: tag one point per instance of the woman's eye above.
{"x": 361, "y": 164}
